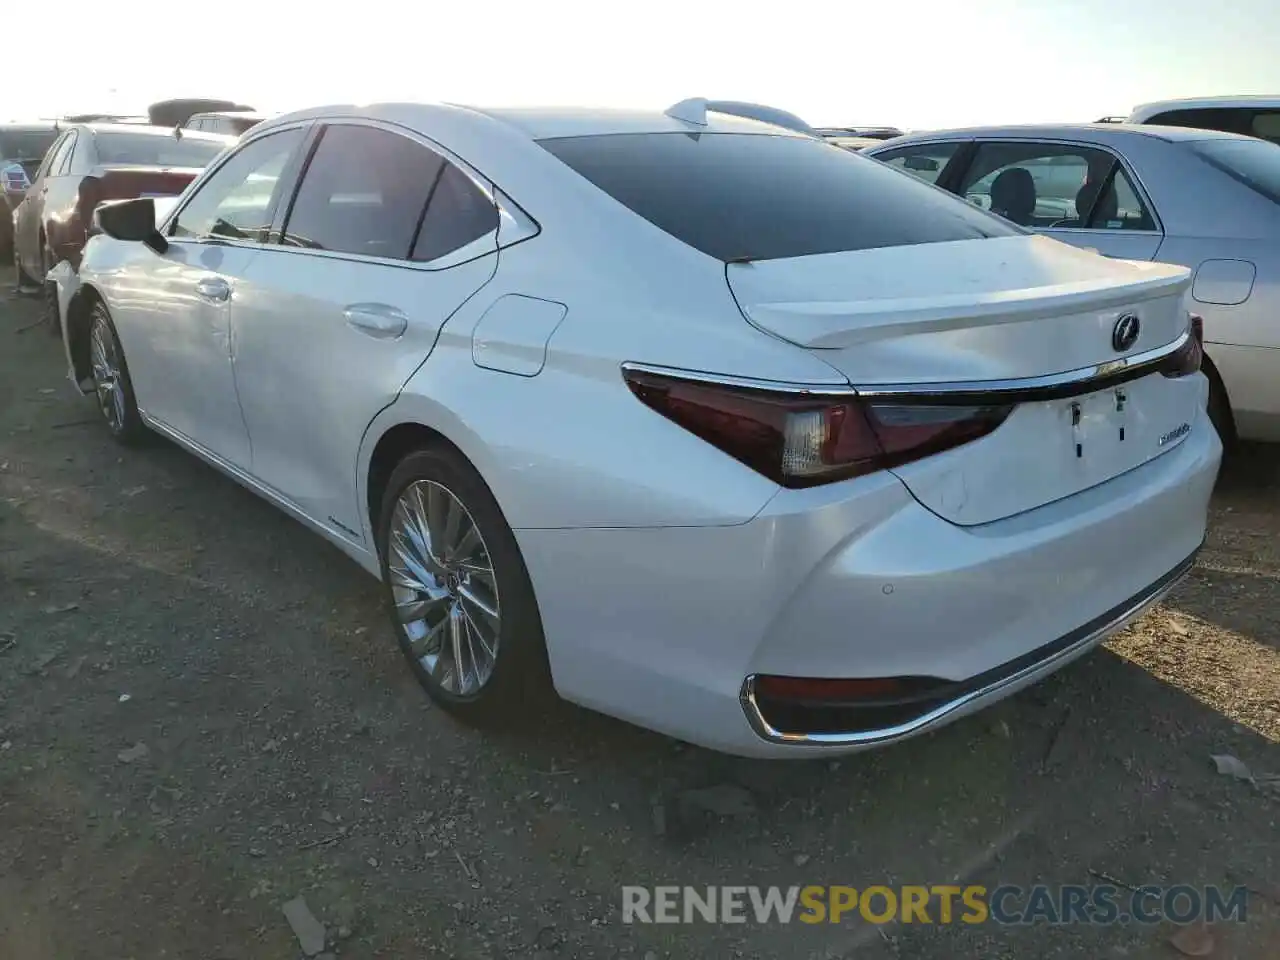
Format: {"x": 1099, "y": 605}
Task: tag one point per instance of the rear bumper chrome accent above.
{"x": 981, "y": 690}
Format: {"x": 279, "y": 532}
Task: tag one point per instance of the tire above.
{"x": 113, "y": 389}
{"x": 487, "y": 572}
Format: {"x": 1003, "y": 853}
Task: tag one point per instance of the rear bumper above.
{"x": 971, "y": 695}
{"x": 664, "y": 627}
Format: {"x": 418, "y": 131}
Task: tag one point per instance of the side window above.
{"x": 58, "y": 154}
{"x": 63, "y": 166}
{"x": 238, "y": 200}
{"x": 1226, "y": 119}
{"x": 196, "y": 123}
{"x": 926, "y": 161}
{"x": 54, "y": 153}
{"x": 458, "y": 214}
{"x": 364, "y": 192}
{"x": 1266, "y": 125}
{"x": 1040, "y": 185}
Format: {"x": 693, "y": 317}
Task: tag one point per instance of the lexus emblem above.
{"x": 1125, "y": 333}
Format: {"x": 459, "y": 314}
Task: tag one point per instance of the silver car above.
{"x": 1206, "y": 200}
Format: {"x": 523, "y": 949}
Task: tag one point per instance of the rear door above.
{"x": 1080, "y": 194}
{"x": 384, "y": 239}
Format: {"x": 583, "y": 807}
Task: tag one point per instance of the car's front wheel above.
{"x": 459, "y": 595}
{"x": 111, "y": 384}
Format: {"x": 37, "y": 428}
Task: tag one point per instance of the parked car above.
{"x": 22, "y": 147}
{"x": 233, "y": 123}
{"x": 693, "y": 419}
{"x": 1208, "y": 201}
{"x": 92, "y": 162}
{"x": 869, "y": 133}
{"x": 1247, "y": 116}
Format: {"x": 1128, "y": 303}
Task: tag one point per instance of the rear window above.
{"x": 1255, "y": 163}
{"x": 156, "y": 150}
{"x": 761, "y": 197}
{"x": 26, "y": 144}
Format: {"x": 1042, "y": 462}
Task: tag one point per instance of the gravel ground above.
{"x": 202, "y": 717}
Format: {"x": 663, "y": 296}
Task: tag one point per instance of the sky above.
{"x": 914, "y": 64}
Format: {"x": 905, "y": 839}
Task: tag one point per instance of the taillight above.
{"x": 1189, "y": 357}
{"x": 805, "y": 439}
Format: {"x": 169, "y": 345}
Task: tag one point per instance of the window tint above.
{"x": 766, "y": 197}
{"x": 458, "y": 214}
{"x": 1254, "y": 163}
{"x": 925, "y": 162}
{"x": 1041, "y": 185}
{"x": 238, "y": 200}
{"x": 155, "y": 149}
{"x": 1246, "y": 121}
{"x": 363, "y": 192}
{"x": 26, "y": 145}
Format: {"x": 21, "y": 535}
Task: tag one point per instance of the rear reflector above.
{"x": 805, "y": 439}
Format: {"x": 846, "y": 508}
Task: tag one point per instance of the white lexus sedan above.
{"x": 690, "y": 419}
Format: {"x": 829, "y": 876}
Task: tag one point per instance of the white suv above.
{"x": 1250, "y": 116}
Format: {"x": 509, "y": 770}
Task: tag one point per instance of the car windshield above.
{"x": 156, "y": 150}
{"x": 1255, "y": 163}
{"x": 757, "y": 197}
{"x": 26, "y": 144}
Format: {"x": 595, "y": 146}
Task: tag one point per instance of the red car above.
{"x": 92, "y": 162}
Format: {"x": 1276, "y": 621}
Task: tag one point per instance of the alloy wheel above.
{"x": 445, "y": 590}
{"x": 108, "y": 382}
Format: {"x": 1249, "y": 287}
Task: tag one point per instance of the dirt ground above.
{"x": 202, "y": 716}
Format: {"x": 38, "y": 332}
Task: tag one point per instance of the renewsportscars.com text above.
{"x": 942, "y": 904}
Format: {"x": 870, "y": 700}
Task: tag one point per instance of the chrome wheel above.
{"x": 108, "y": 382}
{"x": 445, "y": 591}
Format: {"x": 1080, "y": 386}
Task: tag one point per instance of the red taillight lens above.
{"x": 1188, "y": 359}
{"x": 805, "y": 439}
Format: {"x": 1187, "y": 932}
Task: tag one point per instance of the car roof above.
{"x": 535, "y": 123}
{"x": 1246, "y": 101}
{"x": 1102, "y": 132}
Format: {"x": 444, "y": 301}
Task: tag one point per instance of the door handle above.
{"x": 213, "y": 288}
{"x": 377, "y": 320}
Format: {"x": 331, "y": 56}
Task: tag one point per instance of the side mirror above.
{"x": 133, "y": 220}
{"x": 923, "y": 164}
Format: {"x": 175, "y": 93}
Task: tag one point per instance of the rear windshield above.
{"x": 759, "y": 197}
{"x": 156, "y": 150}
{"x": 26, "y": 144}
{"x": 1255, "y": 163}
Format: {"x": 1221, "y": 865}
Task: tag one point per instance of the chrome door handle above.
{"x": 213, "y": 288}
{"x": 377, "y": 320}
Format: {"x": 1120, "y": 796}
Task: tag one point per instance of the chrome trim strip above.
{"x": 752, "y": 383}
{"x": 1131, "y": 367}
{"x": 990, "y": 693}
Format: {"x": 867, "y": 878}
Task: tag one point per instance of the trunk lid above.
{"x": 986, "y": 312}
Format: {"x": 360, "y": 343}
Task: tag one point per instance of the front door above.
{"x": 384, "y": 241}
{"x": 181, "y": 325}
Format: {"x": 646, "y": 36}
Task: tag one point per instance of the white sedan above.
{"x": 693, "y": 420}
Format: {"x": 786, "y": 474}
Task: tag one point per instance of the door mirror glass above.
{"x": 131, "y": 220}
